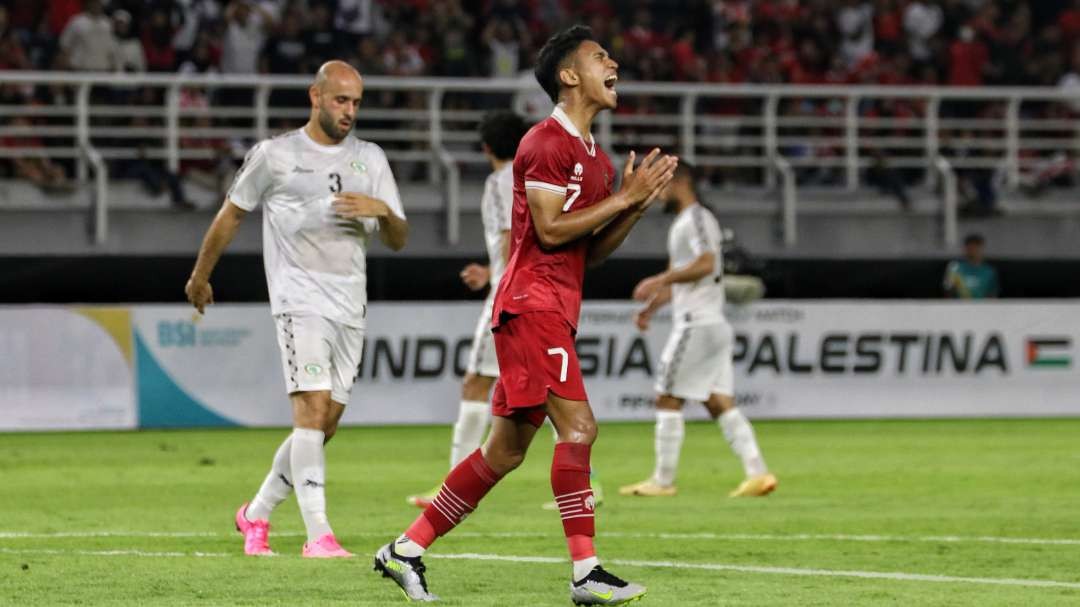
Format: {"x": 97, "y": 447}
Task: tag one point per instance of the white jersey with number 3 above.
{"x": 315, "y": 261}
{"x": 695, "y": 231}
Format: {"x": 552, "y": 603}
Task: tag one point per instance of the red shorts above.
{"x": 536, "y": 355}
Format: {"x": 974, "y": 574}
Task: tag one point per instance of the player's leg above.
{"x": 736, "y": 428}
{"x": 668, "y": 435}
{"x": 591, "y": 583}
{"x": 473, "y": 415}
{"x": 683, "y": 374}
{"x": 313, "y": 414}
{"x": 459, "y": 495}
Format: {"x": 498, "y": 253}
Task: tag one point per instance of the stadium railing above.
{"x": 763, "y": 131}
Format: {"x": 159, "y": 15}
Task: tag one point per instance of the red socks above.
{"x": 462, "y": 490}
{"x": 573, "y": 495}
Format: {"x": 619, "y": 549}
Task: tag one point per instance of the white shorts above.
{"x": 482, "y": 360}
{"x": 319, "y": 354}
{"x": 696, "y": 362}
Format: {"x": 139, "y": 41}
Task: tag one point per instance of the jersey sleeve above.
{"x": 252, "y": 180}
{"x": 504, "y": 200}
{"x": 547, "y": 165}
{"x": 702, "y": 239}
{"x": 385, "y": 187}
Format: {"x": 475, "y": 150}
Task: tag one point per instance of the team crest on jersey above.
{"x": 313, "y": 369}
{"x": 358, "y": 166}
{"x": 578, "y": 172}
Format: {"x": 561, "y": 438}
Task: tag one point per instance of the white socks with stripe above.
{"x": 740, "y": 436}
{"x": 309, "y": 478}
{"x": 469, "y": 429}
{"x": 670, "y": 430}
{"x": 276, "y": 487}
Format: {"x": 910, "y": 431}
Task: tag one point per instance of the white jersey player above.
{"x": 500, "y": 133}
{"x": 696, "y": 363}
{"x": 324, "y": 193}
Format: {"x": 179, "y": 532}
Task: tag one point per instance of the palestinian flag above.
{"x": 1048, "y": 352}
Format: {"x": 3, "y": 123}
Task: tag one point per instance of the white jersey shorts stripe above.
{"x": 319, "y": 354}
{"x": 697, "y": 362}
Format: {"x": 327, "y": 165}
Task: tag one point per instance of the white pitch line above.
{"x": 770, "y": 537}
{"x": 469, "y": 556}
{"x": 143, "y": 553}
{"x": 873, "y": 575}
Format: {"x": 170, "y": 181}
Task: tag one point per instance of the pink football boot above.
{"x": 256, "y": 534}
{"x": 326, "y": 547}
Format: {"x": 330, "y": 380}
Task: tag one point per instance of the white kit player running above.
{"x": 696, "y": 363}
{"x": 500, "y": 133}
{"x": 324, "y": 193}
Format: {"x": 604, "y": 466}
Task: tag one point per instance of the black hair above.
{"x": 974, "y": 238}
{"x": 501, "y": 130}
{"x": 554, "y": 53}
{"x": 686, "y": 170}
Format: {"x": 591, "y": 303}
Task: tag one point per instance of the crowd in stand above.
{"x": 887, "y": 42}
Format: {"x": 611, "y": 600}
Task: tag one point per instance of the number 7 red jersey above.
{"x": 552, "y": 157}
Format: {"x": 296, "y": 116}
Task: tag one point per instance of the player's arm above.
{"x": 218, "y": 236}
{"x": 657, "y": 301}
{"x": 701, "y": 267}
{"x": 477, "y": 276}
{"x": 555, "y": 227}
{"x": 393, "y": 230}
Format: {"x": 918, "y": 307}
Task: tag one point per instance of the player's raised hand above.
{"x": 643, "y": 184}
{"x": 199, "y": 293}
{"x": 352, "y": 205}
{"x": 475, "y": 276}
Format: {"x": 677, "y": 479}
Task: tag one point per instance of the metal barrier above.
{"x": 739, "y": 132}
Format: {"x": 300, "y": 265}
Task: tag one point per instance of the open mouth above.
{"x": 609, "y": 82}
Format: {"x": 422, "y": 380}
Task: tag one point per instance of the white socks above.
{"x": 584, "y": 566}
{"x": 276, "y": 487}
{"x": 670, "y": 430}
{"x": 740, "y": 436}
{"x": 404, "y": 546}
{"x": 309, "y": 478}
{"x": 469, "y": 429}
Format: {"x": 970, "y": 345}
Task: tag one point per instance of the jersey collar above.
{"x": 560, "y": 116}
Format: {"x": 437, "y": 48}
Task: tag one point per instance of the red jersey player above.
{"x": 565, "y": 216}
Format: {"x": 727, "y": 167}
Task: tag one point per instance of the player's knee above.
{"x": 583, "y": 432}
{"x": 504, "y": 461}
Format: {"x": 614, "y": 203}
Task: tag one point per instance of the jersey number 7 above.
{"x": 576, "y": 189}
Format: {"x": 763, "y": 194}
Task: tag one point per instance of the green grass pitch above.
{"x": 867, "y": 513}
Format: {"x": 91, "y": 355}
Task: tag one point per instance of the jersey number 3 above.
{"x": 335, "y": 183}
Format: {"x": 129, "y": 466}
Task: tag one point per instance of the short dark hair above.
{"x": 502, "y": 130}
{"x": 974, "y": 238}
{"x": 554, "y": 53}
{"x": 685, "y": 170}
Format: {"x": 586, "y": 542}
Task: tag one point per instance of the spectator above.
{"x": 33, "y": 164}
{"x": 922, "y": 21}
{"x": 196, "y": 16}
{"x": 157, "y": 36}
{"x": 321, "y": 40}
{"x": 855, "y": 22}
{"x": 285, "y": 51}
{"x": 87, "y": 41}
{"x": 968, "y": 57}
{"x": 504, "y": 39}
{"x": 971, "y": 277}
{"x": 247, "y": 25}
{"x": 12, "y": 54}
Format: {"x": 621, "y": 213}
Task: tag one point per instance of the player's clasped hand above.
{"x": 349, "y": 205}
{"x": 199, "y": 293}
{"x": 643, "y": 184}
{"x": 475, "y": 276}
